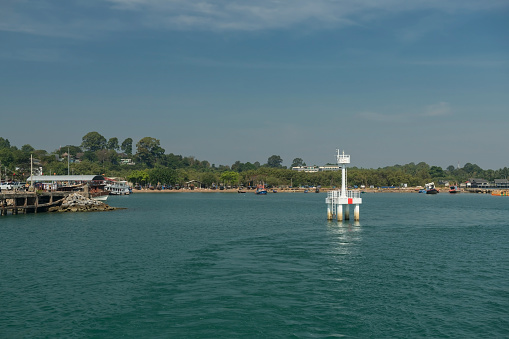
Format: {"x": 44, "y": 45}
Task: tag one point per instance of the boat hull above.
{"x": 101, "y": 197}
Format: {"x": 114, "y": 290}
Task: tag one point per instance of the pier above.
{"x": 29, "y": 202}
{"x": 339, "y": 201}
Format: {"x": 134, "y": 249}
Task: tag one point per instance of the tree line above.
{"x": 152, "y": 166}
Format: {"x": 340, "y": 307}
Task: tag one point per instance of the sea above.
{"x": 228, "y": 265}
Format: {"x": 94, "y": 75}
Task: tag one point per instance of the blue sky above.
{"x": 390, "y": 82}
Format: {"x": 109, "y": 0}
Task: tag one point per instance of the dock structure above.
{"x": 339, "y": 201}
{"x": 29, "y": 202}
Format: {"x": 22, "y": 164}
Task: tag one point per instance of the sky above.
{"x": 387, "y": 81}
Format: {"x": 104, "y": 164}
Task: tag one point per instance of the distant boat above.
{"x": 100, "y": 197}
{"x": 241, "y": 191}
{"x": 454, "y": 189}
{"x": 260, "y": 189}
{"x": 274, "y": 191}
{"x": 115, "y": 187}
{"x": 431, "y": 189}
{"x": 500, "y": 193}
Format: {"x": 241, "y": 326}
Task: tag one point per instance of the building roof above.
{"x": 501, "y": 181}
{"x": 51, "y": 178}
{"x": 475, "y": 180}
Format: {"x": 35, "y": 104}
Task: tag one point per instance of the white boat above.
{"x": 103, "y": 197}
{"x": 120, "y": 187}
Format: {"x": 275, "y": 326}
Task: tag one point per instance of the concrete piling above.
{"x": 356, "y": 213}
{"x": 339, "y": 212}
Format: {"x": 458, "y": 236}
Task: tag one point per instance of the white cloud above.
{"x": 88, "y": 17}
{"x": 440, "y": 109}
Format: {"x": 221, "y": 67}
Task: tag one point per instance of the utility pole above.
{"x": 31, "y": 172}
{"x": 68, "y": 160}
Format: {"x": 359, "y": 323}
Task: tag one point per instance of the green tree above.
{"x": 93, "y": 141}
{"x": 109, "y": 156}
{"x": 297, "y": 162}
{"x": 274, "y": 161}
{"x": 229, "y": 177}
{"x": 436, "y": 172}
{"x": 27, "y": 148}
{"x": 6, "y": 157}
{"x": 73, "y": 150}
{"x": 90, "y": 156}
{"x": 138, "y": 177}
{"x": 237, "y": 166}
{"x": 127, "y": 146}
{"x": 4, "y": 143}
{"x": 207, "y": 179}
{"x": 86, "y": 167}
{"x": 472, "y": 170}
{"x": 112, "y": 144}
{"x": 162, "y": 175}
{"x": 149, "y": 151}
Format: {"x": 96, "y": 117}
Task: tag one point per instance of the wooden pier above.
{"x": 29, "y": 202}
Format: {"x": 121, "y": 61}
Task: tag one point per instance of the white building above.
{"x": 314, "y": 169}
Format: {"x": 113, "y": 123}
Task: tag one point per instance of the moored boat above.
{"x": 117, "y": 187}
{"x": 454, "y": 189}
{"x": 431, "y": 189}
{"x": 504, "y": 193}
{"x": 101, "y": 196}
{"x": 260, "y": 189}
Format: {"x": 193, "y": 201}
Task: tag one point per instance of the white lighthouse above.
{"x": 342, "y": 199}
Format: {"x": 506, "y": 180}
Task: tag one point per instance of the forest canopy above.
{"x": 147, "y": 163}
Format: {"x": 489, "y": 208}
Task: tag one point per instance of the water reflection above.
{"x": 345, "y": 224}
{"x": 344, "y": 237}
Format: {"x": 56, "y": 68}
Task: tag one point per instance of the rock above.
{"x": 76, "y": 202}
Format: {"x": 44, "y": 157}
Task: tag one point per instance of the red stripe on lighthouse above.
{"x": 350, "y": 201}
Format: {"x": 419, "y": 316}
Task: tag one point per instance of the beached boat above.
{"x": 431, "y": 189}
{"x": 260, "y": 189}
{"x": 117, "y": 187}
{"x": 454, "y": 189}
{"x": 503, "y": 193}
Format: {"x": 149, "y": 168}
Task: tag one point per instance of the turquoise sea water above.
{"x": 218, "y": 265}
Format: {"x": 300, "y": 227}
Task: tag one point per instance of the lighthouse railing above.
{"x": 349, "y": 194}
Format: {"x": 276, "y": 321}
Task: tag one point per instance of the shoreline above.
{"x": 323, "y": 190}
{"x": 284, "y": 190}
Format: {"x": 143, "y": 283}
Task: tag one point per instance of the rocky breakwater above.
{"x": 76, "y": 202}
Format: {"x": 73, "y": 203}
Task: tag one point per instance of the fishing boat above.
{"x": 260, "y": 189}
{"x": 431, "y": 189}
{"x": 454, "y": 189}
